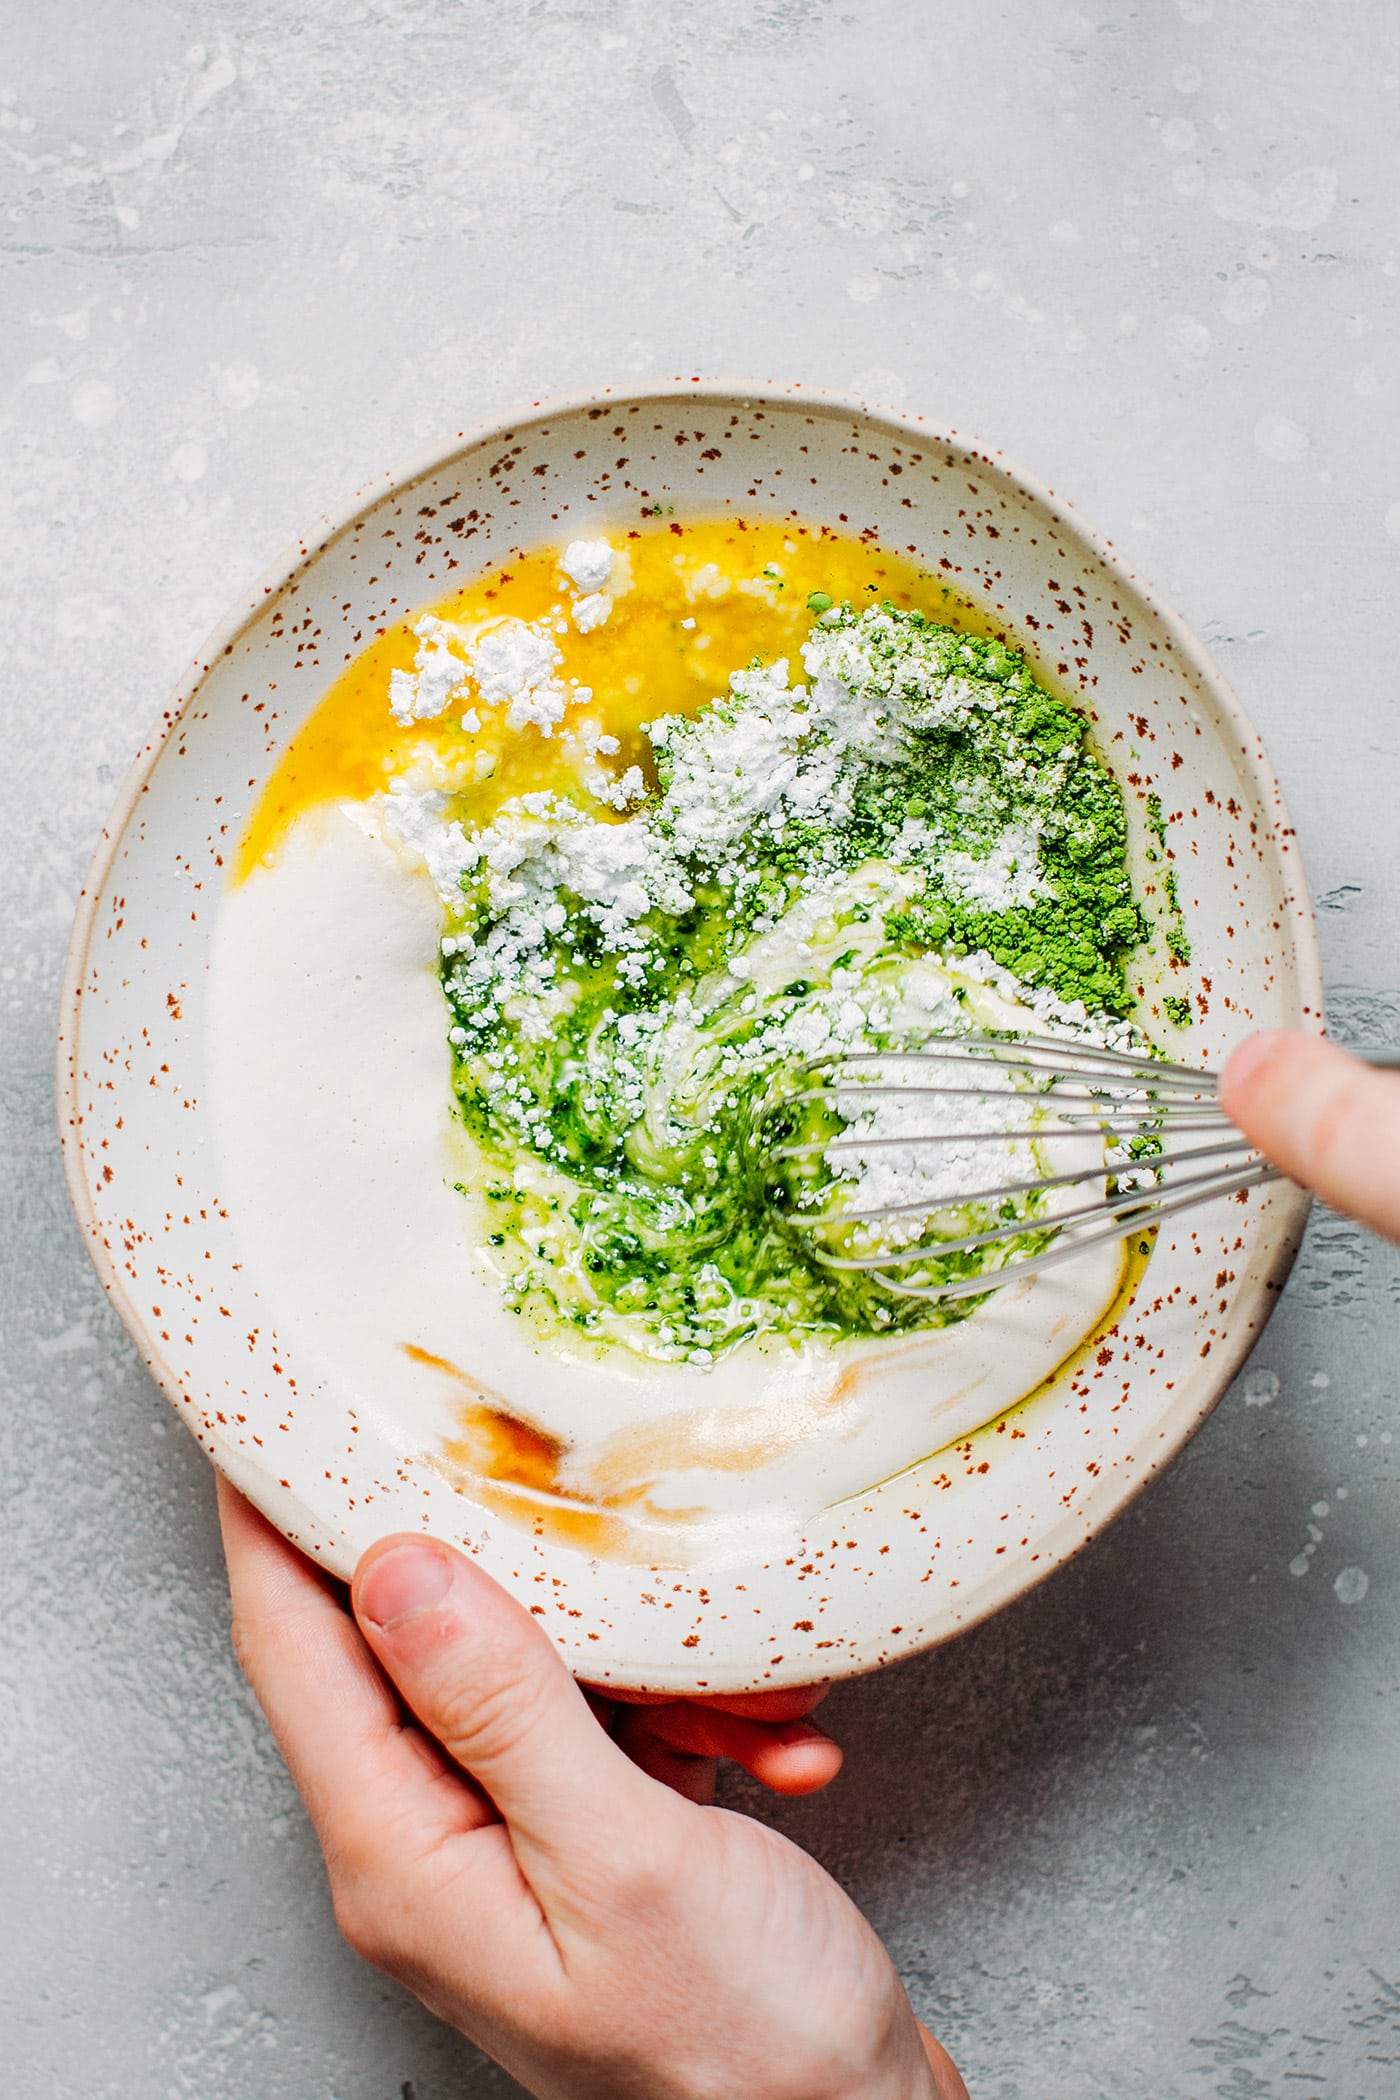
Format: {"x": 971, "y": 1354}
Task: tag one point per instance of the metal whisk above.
{"x": 1152, "y": 1140}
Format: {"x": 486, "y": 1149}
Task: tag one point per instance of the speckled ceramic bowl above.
{"x": 916, "y": 1558}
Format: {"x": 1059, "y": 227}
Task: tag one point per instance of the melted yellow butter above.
{"x": 744, "y": 583}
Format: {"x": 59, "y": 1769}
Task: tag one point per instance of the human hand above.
{"x": 1330, "y": 1122}
{"x": 681, "y": 1741}
{"x": 598, "y": 1934}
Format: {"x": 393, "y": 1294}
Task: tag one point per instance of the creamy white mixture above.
{"x": 342, "y": 1169}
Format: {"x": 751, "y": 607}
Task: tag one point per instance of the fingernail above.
{"x": 790, "y": 1733}
{"x": 402, "y": 1583}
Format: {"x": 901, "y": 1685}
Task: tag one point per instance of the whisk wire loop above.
{"x": 918, "y": 1206}
{"x": 1130, "y": 1111}
{"x": 1113, "y": 1227}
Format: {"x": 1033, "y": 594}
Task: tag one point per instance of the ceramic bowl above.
{"x": 916, "y": 1558}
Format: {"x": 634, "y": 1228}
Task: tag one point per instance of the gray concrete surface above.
{"x": 1137, "y": 1836}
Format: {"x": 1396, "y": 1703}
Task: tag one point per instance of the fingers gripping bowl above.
{"x": 257, "y": 1078}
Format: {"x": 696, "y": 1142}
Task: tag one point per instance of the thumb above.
{"x": 487, "y": 1681}
{"x": 1328, "y": 1120}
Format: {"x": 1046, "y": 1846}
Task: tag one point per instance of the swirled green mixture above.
{"x": 900, "y": 839}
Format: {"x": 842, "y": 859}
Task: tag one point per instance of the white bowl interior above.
{"x": 913, "y": 1560}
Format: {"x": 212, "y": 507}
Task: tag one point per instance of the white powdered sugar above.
{"x": 1008, "y": 875}
{"x": 707, "y": 581}
{"x": 587, "y": 563}
{"x": 621, "y": 793}
{"x": 537, "y": 847}
{"x": 879, "y": 657}
{"x": 420, "y": 695}
{"x": 512, "y": 671}
{"x": 512, "y": 664}
{"x": 592, "y": 744}
{"x": 419, "y": 825}
{"x": 930, "y": 1151}
{"x": 766, "y": 754}
{"x": 515, "y": 664}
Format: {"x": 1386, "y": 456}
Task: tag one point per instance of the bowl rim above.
{"x": 1296, "y": 907}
